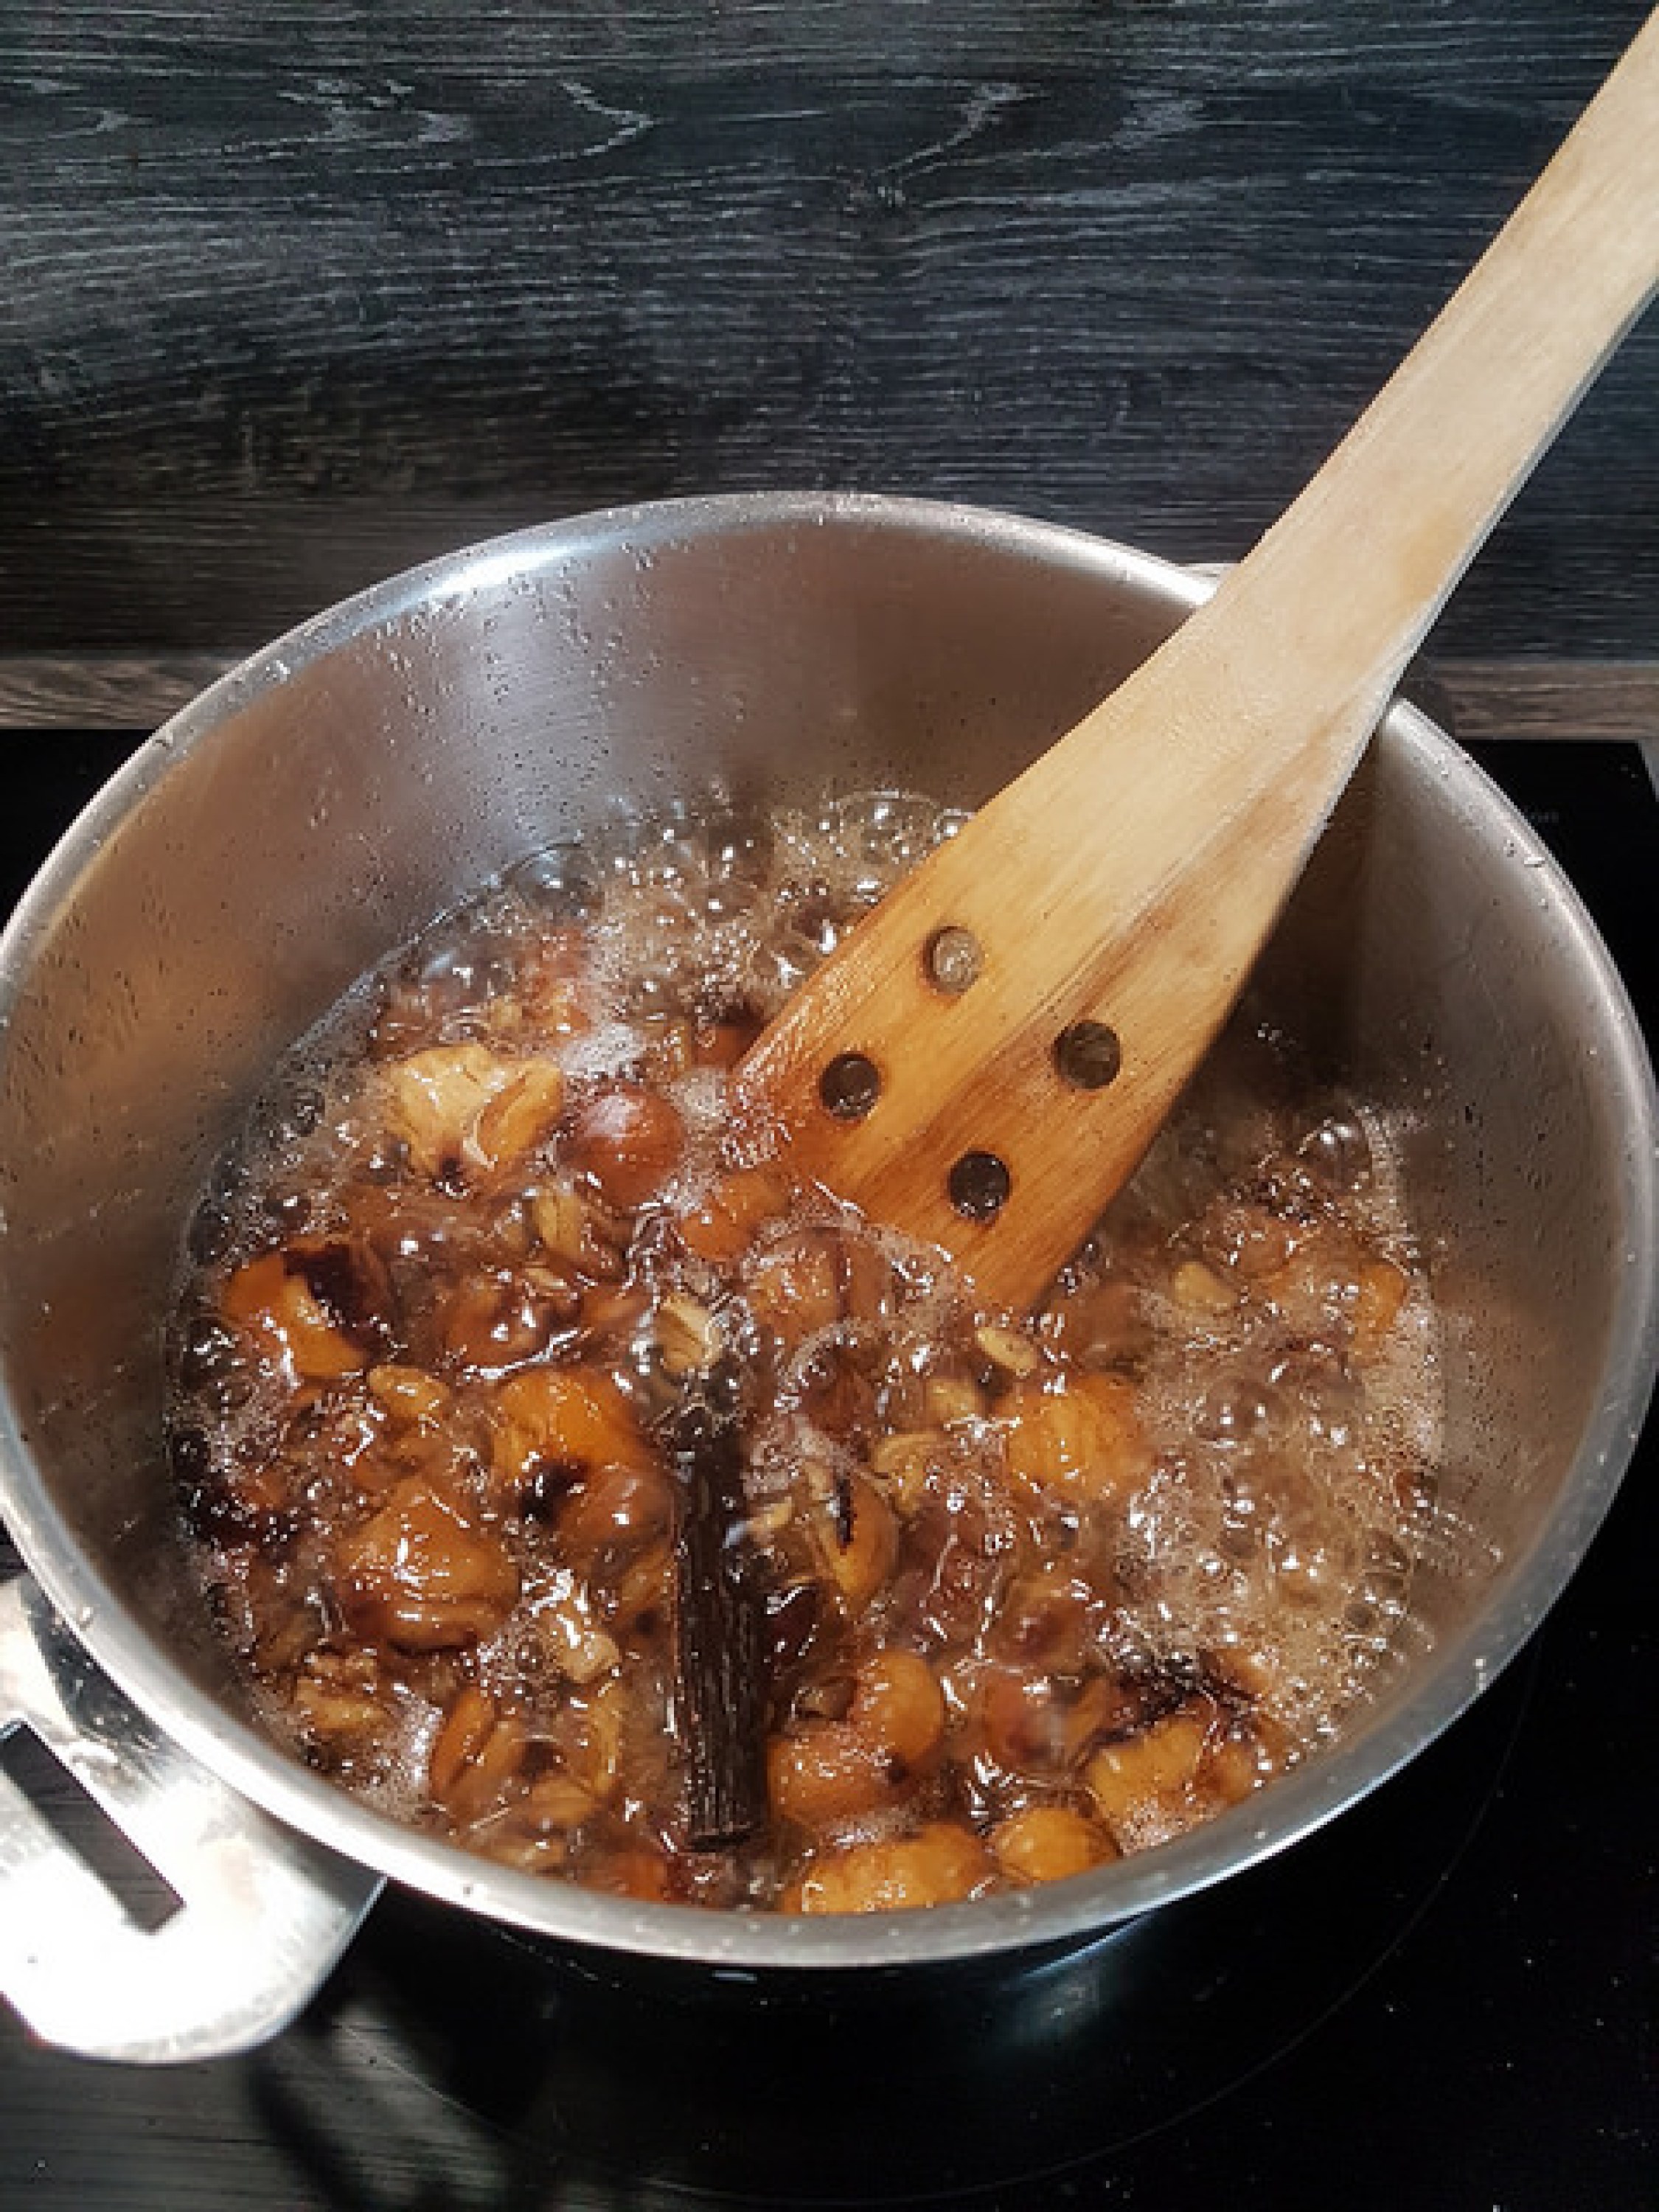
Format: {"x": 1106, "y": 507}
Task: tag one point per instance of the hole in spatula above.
{"x": 850, "y": 1086}
{"x": 1088, "y": 1055}
{"x": 81, "y": 1824}
{"x": 979, "y": 1185}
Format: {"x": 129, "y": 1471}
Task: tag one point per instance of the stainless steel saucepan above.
{"x": 327, "y": 799}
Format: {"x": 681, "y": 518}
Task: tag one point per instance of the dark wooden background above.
{"x": 295, "y": 293}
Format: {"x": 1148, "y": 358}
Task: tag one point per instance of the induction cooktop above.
{"x": 1447, "y": 1999}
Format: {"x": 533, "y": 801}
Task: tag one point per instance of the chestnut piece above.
{"x": 627, "y": 1141}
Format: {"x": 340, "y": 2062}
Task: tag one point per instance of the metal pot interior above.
{"x": 325, "y": 801}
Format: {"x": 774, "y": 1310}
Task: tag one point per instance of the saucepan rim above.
{"x": 734, "y": 1941}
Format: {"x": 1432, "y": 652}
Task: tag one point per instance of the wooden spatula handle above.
{"x": 1098, "y": 918}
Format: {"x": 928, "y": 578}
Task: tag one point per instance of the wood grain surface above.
{"x": 1099, "y": 950}
{"x": 295, "y": 297}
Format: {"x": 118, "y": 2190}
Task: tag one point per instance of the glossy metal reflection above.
{"x": 262, "y": 1915}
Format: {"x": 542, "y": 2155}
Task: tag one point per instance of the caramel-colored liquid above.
{"x": 1036, "y": 1591}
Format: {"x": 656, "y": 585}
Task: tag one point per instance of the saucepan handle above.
{"x": 261, "y": 1916}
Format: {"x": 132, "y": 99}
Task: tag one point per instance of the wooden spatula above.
{"x": 989, "y": 1055}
